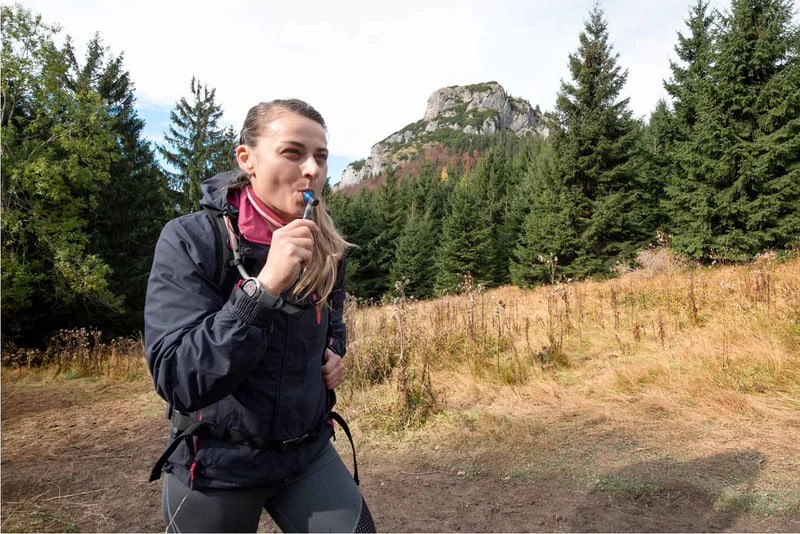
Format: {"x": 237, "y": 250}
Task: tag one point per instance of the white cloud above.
{"x": 367, "y": 66}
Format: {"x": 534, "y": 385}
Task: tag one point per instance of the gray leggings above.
{"x": 323, "y": 499}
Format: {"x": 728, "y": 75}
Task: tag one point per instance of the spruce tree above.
{"x": 688, "y": 87}
{"x": 373, "y": 221}
{"x": 549, "y": 246}
{"x": 695, "y": 52}
{"x": 413, "y": 263}
{"x": 359, "y": 220}
{"x": 466, "y": 245}
{"x": 135, "y": 197}
{"x": 654, "y": 167}
{"x": 593, "y": 183}
{"x": 390, "y": 216}
{"x": 349, "y": 222}
{"x": 527, "y": 164}
{"x": 740, "y": 184}
{"x": 432, "y": 188}
{"x": 492, "y": 178}
{"x": 370, "y": 275}
{"x": 536, "y": 158}
{"x": 197, "y": 146}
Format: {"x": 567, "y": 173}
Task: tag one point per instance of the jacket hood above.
{"x": 215, "y": 195}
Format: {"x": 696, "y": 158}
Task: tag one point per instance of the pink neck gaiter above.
{"x": 256, "y": 220}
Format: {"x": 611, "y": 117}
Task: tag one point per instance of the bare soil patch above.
{"x": 76, "y": 456}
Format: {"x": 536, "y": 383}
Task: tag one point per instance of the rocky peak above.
{"x": 459, "y": 105}
{"x": 479, "y": 109}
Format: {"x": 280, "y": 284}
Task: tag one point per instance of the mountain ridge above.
{"x": 457, "y": 110}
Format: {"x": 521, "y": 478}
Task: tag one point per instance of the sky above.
{"x": 367, "y": 66}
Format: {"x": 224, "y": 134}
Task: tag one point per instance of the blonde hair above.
{"x": 329, "y": 246}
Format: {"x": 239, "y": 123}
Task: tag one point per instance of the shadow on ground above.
{"x": 666, "y": 495}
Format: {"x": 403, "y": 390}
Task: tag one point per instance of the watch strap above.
{"x": 260, "y": 295}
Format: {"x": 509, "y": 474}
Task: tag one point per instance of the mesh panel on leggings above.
{"x": 365, "y": 522}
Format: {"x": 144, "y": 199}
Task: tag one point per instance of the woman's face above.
{"x": 290, "y": 157}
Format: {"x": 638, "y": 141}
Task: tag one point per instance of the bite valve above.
{"x": 311, "y": 201}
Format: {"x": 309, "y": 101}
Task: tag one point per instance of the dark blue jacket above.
{"x": 232, "y": 361}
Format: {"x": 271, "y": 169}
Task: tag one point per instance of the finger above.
{"x": 297, "y": 233}
{"x": 339, "y": 372}
{"x": 329, "y": 368}
{"x": 333, "y": 370}
{"x": 299, "y": 255}
{"x": 332, "y": 380}
{"x": 336, "y": 373}
{"x": 293, "y": 235}
{"x": 301, "y": 225}
{"x": 297, "y": 244}
{"x": 331, "y": 383}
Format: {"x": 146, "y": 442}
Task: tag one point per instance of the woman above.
{"x": 248, "y": 372}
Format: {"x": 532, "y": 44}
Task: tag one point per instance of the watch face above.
{"x": 250, "y": 287}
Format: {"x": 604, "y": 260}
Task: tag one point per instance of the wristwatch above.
{"x": 252, "y": 288}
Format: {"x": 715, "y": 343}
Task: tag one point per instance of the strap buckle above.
{"x": 293, "y": 443}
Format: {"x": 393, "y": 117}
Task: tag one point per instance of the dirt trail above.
{"x": 76, "y": 456}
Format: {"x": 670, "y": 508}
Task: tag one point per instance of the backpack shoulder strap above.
{"x": 226, "y": 274}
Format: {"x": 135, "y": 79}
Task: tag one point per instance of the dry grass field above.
{"x": 667, "y": 399}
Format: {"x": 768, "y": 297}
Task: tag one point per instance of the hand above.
{"x": 291, "y": 249}
{"x": 332, "y": 370}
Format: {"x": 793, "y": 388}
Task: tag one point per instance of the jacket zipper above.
{"x": 281, "y": 375}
